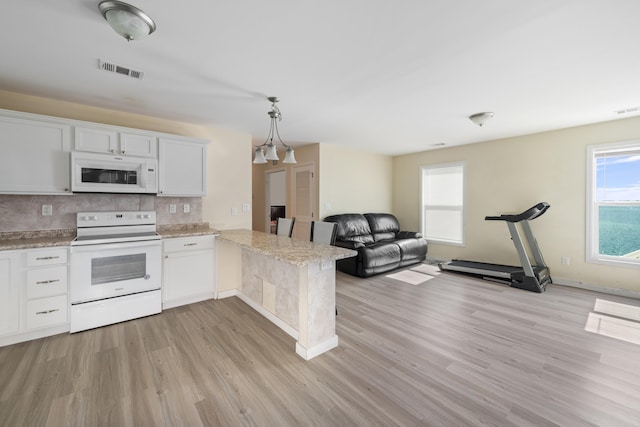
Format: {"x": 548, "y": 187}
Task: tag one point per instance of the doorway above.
{"x": 303, "y": 184}
{"x": 275, "y": 198}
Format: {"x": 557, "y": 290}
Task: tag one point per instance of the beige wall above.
{"x": 354, "y": 181}
{"x": 229, "y": 166}
{"x": 511, "y": 175}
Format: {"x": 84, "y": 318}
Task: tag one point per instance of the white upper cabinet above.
{"x": 110, "y": 141}
{"x": 35, "y": 157}
{"x": 182, "y": 164}
{"x": 139, "y": 145}
{"x": 36, "y": 154}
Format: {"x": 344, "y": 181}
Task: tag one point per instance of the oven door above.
{"x": 110, "y": 270}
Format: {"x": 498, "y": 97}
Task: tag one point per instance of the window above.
{"x": 442, "y": 213}
{"x": 613, "y": 203}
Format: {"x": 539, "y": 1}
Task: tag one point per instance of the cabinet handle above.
{"x": 190, "y": 244}
{"x": 48, "y": 311}
{"x": 46, "y": 282}
{"x": 166, "y": 257}
{"x": 42, "y": 258}
{"x": 113, "y": 151}
{"x": 123, "y": 151}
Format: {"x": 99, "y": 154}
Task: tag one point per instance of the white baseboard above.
{"x": 269, "y": 315}
{"x": 34, "y": 335}
{"x": 596, "y": 288}
{"x": 316, "y": 350}
{"x": 176, "y": 302}
{"x": 227, "y": 294}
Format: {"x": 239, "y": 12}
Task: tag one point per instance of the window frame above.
{"x": 463, "y": 165}
{"x": 592, "y": 205}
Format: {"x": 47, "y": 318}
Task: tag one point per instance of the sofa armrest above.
{"x": 408, "y": 235}
{"x": 349, "y": 244}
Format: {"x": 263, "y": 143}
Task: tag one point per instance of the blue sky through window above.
{"x": 618, "y": 178}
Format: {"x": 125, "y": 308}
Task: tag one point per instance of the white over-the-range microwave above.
{"x": 106, "y": 173}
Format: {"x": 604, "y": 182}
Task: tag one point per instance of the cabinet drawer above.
{"x": 179, "y": 244}
{"x": 46, "y": 311}
{"x": 44, "y": 282}
{"x": 46, "y": 257}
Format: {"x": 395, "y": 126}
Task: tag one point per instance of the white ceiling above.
{"x": 386, "y": 76}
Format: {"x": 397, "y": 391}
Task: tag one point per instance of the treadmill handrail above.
{"x": 529, "y": 214}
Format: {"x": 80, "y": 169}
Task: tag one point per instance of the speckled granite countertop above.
{"x": 186, "y": 230}
{"x": 292, "y": 251}
{"x": 36, "y": 239}
{"x": 15, "y": 240}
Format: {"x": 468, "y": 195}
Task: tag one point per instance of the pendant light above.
{"x": 271, "y": 150}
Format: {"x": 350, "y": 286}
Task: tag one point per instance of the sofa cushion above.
{"x": 381, "y": 255}
{"x": 411, "y": 250}
{"x": 383, "y": 226}
{"x": 352, "y": 228}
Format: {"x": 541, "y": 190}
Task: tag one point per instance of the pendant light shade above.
{"x": 289, "y": 156}
{"x": 128, "y": 21}
{"x": 259, "y": 157}
{"x": 272, "y": 152}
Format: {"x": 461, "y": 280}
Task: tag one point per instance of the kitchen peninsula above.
{"x": 289, "y": 281}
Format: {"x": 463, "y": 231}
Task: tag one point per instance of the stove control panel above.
{"x": 107, "y": 219}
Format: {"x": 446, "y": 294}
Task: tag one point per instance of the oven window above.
{"x": 109, "y": 176}
{"x": 117, "y": 268}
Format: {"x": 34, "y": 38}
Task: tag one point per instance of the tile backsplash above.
{"x": 24, "y": 213}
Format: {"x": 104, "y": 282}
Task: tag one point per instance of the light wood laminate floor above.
{"x": 452, "y": 351}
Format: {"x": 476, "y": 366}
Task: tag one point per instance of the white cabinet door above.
{"x": 139, "y": 145}
{"x": 35, "y": 157}
{"x": 183, "y": 168}
{"x": 9, "y": 293}
{"x": 188, "y": 270}
{"x": 110, "y": 141}
{"x": 96, "y": 140}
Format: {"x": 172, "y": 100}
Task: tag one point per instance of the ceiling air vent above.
{"x": 628, "y": 110}
{"x": 108, "y": 66}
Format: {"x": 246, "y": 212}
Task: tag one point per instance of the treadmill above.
{"x": 529, "y": 277}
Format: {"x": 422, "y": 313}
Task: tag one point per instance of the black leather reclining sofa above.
{"x": 380, "y": 244}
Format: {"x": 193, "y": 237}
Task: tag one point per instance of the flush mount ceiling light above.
{"x": 128, "y": 21}
{"x": 480, "y": 118}
{"x": 272, "y": 153}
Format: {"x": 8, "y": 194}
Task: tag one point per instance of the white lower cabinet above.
{"x": 188, "y": 270}
{"x": 45, "y": 288}
{"x": 9, "y": 293}
{"x": 44, "y": 312}
{"x": 33, "y": 294}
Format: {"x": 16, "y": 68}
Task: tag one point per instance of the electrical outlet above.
{"x": 172, "y": 208}
{"x": 565, "y": 260}
{"x": 246, "y": 207}
{"x": 187, "y": 208}
{"x": 47, "y": 210}
{"x": 234, "y": 211}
